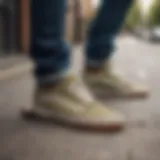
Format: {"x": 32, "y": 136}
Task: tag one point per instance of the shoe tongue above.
{"x": 107, "y": 68}
{"x": 78, "y": 90}
{"x": 81, "y": 93}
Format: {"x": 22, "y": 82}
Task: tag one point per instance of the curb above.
{"x": 15, "y": 70}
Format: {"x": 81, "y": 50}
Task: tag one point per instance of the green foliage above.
{"x": 154, "y": 14}
{"x": 134, "y": 16}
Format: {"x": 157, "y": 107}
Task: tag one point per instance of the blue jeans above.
{"x": 48, "y": 48}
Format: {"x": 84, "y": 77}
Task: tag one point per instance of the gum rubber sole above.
{"x": 35, "y": 116}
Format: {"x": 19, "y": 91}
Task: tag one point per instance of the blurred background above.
{"x": 137, "y": 57}
{"x": 142, "y": 22}
{"x": 143, "y": 19}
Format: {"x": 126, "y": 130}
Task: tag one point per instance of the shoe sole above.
{"x": 43, "y": 115}
{"x": 112, "y": 95}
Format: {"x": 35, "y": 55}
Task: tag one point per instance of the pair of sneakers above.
{"x": 71, "y": 101}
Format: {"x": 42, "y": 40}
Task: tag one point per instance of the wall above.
{"x": 25, "y": 23}
{"x": 9, "y": 29}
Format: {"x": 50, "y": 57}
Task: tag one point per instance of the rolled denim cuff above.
{"x": 52, "y": 78}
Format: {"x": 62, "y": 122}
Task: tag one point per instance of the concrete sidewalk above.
{"x": 22, "y": 140}
{"x": 13, "y": 65}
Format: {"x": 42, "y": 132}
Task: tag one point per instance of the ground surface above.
{"x": 21, "y": 140}
{"x": 11, "y": 60}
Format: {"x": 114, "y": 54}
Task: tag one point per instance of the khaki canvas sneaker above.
{"x": 106, "y": 82}
{"x": 71, "y": 103}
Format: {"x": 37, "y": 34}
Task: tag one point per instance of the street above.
{"x": 31, "y": 140}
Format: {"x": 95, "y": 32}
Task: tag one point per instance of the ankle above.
{"x": 49, "y": 85}
{"x": 94, "y": 69}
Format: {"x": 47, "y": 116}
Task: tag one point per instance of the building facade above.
{"x": 15, "y": 22}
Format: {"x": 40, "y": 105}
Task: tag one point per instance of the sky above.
{"x": 145, "y": 3}
{"x": 95, "y": 2}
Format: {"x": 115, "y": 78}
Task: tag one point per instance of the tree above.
{"x": 154, "y": 14}
{"x": 134, "y": 16}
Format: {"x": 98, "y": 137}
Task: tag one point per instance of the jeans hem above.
{"x": 51, "y": 78}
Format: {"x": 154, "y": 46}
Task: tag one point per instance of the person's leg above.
{"x": 100, "y": 46}
{"x": 64, "y": 98}
{"x": 103, "y": 29}
{"x": 48, "y": 47}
